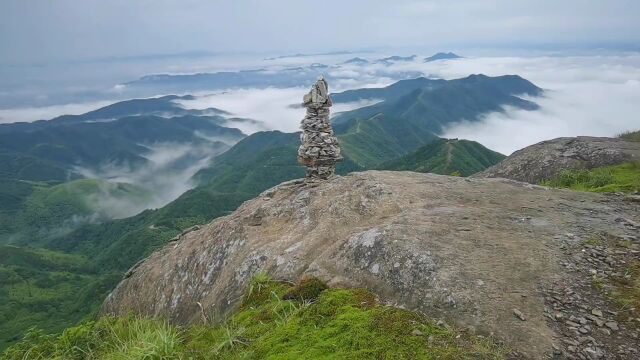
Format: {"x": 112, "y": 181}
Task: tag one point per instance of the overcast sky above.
{"x": 36, "y": 31}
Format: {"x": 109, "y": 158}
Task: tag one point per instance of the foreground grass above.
{"x": 619, "y": 178}
{"x": 275, "y": 321}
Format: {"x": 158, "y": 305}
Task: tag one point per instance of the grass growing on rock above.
{"x": 622, "y": 288}
{"x": 627, "y": 289}
{"x": 618, "y": 178}
{"x": 316, "y": 323}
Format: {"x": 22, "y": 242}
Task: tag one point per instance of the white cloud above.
{"x": 275, "y": 109}
{"x": 591, "y": 96}
{"x": 270, "y": 106}
{"x": 166, "y": 176}
{"x": 48, "y": 112}
{"x": 585, "y": 95}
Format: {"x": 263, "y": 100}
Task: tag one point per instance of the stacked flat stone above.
{"x": 319, "y": 150}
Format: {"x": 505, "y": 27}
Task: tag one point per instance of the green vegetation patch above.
{"x": 48, "y": 288}
{"x": 338, "y": 324}
{"x": 446, "y": 157}
{"x": 618, "y": 178}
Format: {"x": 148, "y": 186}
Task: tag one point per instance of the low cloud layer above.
{"x": 47, "y": 112}
{"x": 166, "y": 176}
{"x": 591, "y": 96}
{"x": 584, "y": 95}
{"x": 596, "y": 95}
{"x": 275, "y": 109}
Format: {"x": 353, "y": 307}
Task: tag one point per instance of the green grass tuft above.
{"x": 307, "y": 290}
{"x": 618, "y": 178}
{"x": 340, "y": 324}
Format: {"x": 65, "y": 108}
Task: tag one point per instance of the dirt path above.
{"x": 449, "y": 150}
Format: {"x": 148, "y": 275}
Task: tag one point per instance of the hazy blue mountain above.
{"x": 442, "y": 56}
{"x": 299, "y": 55}
{"x": 446, "y": 157}
{"x": 164, "y": 106}
{"x": 257, "y": 78}
{"x": 356, "y": 61}
{"x": 395, "y": 58}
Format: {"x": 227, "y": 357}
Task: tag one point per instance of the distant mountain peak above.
{"x": 396, "y": 58}
{"x": 357, "y": 61}
{"x": 442, "y": 56}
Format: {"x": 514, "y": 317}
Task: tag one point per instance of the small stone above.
{"x": 570, "y": 342}
{"x": 597, "y": 312}
{"x": 572, "y": 324}
{"x": 594, "y": 353}
{"x": 417, "y": 332}
{"x": 519, "y": 314}
{"x": 583, "y": 330}
{"x": 612, "y": 325}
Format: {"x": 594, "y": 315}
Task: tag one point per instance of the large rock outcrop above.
{"x": 468, "y": 251}
{"x": 546, "y": 159}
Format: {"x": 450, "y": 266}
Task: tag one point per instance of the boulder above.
{"x": 466, "y": 251}
{"x": 545, "y": 160}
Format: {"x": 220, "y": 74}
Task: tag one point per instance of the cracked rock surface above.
{"x": 491, "y": 256}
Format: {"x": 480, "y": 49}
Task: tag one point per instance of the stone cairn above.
{"x": 319, "y": 150}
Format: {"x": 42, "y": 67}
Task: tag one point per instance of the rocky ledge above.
{"x": 546, "y": 159}
{"x": 491, "y": 256}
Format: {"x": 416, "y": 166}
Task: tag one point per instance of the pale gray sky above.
{"x": 36, "y": 31}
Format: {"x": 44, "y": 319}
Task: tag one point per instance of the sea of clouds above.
{"x": 595, "y": 95}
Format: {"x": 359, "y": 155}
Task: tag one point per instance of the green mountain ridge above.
{"x": 414, "y": 112}
{"x": 65, "y": 147}
{"x": 447, "y": 157}
{"x": 45, "y": 210}
{"x": 164, "y": 106}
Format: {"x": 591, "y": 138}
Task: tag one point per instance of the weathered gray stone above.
{"x": 547, "y": 159}
{"x": 393, "y": 233}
